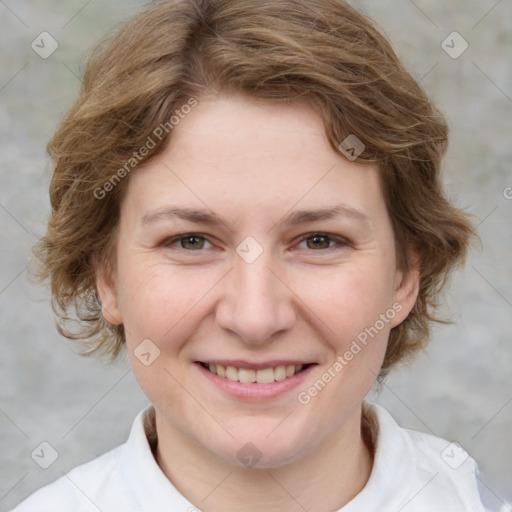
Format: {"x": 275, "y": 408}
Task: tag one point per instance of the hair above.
{"x": 323, "y": 52}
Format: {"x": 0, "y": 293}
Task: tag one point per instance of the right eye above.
{"x": 188, "y": 242}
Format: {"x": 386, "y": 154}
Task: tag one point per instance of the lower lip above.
{"x": 255, "y": 391}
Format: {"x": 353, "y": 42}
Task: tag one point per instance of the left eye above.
{"x": 318, "y": 241}
{"x": 191, "y": 242}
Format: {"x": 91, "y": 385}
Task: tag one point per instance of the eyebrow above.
{"x": 294, "y": 218}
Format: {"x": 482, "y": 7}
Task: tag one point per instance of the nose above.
{"x": 256, "y": 303}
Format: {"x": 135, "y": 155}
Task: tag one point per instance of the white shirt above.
{"x": 412, "y": 472}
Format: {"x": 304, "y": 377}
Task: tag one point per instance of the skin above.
{"x": 253, "y": 163}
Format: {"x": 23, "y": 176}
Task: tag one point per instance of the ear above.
{"x": 107, "y": 291}
{"x": 407, "y": 285}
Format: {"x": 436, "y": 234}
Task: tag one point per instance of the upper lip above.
{"x": 239, "y": 363}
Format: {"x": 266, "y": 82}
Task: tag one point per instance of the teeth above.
{"x": 264, "y": 376}
{"x": 280, "y": 372}
{"x": 246, "y": 376}
{"x": 232, "y": 373}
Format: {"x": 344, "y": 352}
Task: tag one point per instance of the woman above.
{"x": 246, "y": 198}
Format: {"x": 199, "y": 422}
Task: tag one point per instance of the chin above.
{"x": 258, "y": 449}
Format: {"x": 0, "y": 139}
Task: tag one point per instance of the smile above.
{"x": 259, "y": 376}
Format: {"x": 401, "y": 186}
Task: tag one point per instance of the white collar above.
{"x": 404, "y": 460}
{"x": 149, "y": 487}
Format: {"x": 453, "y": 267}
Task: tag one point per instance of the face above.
{"x": 252, "y": 251}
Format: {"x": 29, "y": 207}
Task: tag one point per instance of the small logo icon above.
{"x": 45, "y": 455}
{"x": 352, "y": 147}
{"x": 454, "y": 45}
{"x": 454, "y": 455}
{"x": 249, "y": 455}
{"x": 249, "y": 250}
{"x": 44, "y": 45}
{"x": 147, "y": 352}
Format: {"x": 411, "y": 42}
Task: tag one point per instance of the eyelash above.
{"x": 339, "y": 241}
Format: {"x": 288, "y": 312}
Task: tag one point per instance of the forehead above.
{"x": 239, "y": 152}
{"x": 235, "y": 120}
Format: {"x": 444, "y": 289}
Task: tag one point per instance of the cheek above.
{"x": 157, "y": 302}
{"x": 160, "y": 304}
{"x": 346, "y": 300}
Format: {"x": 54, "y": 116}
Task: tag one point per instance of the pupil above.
{"x": 320, "y": 242}
{"x": 191, "y": 242}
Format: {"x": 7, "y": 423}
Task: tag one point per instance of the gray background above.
{"x": 459, "y": 389}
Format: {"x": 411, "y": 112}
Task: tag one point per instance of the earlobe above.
{"x": 107, "y": 293}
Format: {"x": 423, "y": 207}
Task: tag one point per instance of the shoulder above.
{"x": 105, "y": 483}
{"x": 126, "y": 478}
{"x": 77, "y": 489}
{"x": 451, "y": 467}
{"x": 415, "y": 471}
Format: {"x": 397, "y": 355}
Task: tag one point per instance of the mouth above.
{"x": 255, "y": 374}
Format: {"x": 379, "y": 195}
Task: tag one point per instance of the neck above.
{"x": 324, "y": 480}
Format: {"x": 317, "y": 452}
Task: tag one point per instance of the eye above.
{"x": 189, "y": 242}
{"x": 318, "y": 241}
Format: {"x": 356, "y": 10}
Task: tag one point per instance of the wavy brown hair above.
{"x": 323, "y": 52}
